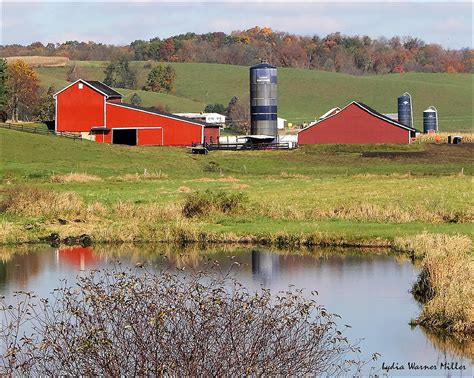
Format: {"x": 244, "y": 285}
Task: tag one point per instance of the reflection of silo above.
{"x": 405, "y": 113}
{"x": 430, "y": 120}
{"x": 263, "y": 99}
{"x": 265, "y": 265}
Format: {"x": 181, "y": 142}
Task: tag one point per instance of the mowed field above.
{"x": 352, "y": 192}
{"x": 303, "y": 95}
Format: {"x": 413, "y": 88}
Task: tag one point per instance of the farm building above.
{"x": 97, "y": 112}
{"x": 356, "y": 123}
{"x": 214, "y": 118}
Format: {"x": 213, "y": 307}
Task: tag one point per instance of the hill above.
{"x": 303, "y": 95}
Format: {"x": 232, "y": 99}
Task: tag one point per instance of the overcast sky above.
{"x": 446, "y": 23}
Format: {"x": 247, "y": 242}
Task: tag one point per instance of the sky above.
{"x": 446, "y": 23}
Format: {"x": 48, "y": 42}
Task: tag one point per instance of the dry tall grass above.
{"x": 446, "y": 281}
{"x": 34, "y": 202}
{"x": 365, "y": 212}
{"x": 74, "y": 177}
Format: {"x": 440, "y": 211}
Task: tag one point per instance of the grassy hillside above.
{"x": 347, "y": 192}
{"x": 303, "y": 95}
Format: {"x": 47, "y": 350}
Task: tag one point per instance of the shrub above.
{"x": 204, "y": 203}
{"x": 125, "y": 323}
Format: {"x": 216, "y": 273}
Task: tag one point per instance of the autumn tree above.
{"x": 23, "y": 84}
{"x": 238, "y": 115}
{"x": 161, "y": 79}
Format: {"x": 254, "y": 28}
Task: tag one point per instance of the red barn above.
{"x": 96, "y": 111}
{"x": 356, "y": 123}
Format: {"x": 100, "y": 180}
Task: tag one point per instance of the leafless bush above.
{"x": 126, "y": 323}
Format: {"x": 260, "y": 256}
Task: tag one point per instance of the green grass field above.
{"x": 303, "y": 95}
{"x": 354, "y": 192}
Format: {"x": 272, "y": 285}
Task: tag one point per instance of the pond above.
{"x": 368, "y": 289}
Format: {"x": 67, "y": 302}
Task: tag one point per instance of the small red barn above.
{"x": 356, "y": 123}
{"x": 96, "y": 111}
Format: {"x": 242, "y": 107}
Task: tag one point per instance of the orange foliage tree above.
{"x": 23, "y": 84}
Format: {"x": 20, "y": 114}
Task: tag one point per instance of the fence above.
{"x": 38, "y": 130}
{"x": 240, "y": 146}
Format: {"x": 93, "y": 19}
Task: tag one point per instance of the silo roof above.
{"x": 263, "y": 65}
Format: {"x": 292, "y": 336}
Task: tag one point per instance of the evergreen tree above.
{"x": 136, "y": 100}
{"x": 46, "y": 110}
{"x": 215, "y": 108}
{"x": 119, "y": 74}
{"x": 3, "y": 84}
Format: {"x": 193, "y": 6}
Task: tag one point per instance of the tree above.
{"x": 215, "y": 108}
{"x": 136, "y": 99}
{"x": 74, "y": 73}
{"x": 119, "y": 74}
{"x": 46, "y": 108}
{"x": 23, "y": 83}
{"x": 3, "y": 89}
{"x": 238, "y": 114}
{"x": 161, "y": 79}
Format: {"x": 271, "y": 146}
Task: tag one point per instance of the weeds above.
{"x": 204, "y": 203}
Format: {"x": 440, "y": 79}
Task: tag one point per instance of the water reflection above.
{"x": 369, "y": 289}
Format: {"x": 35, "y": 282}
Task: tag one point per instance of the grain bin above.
{"x": 430, "y": 120}
{"x": 263, "y": 100}
{"x": 405, "y": 110}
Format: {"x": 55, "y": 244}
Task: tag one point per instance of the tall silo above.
{"x": 430, "y": 120}
{"x": 405, "y": 110}
{"x": 263, "y": 100}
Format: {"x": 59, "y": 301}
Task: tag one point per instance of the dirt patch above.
{"x": 222, "y": 179}
{"x": 184, "y": 189}
{"x": 436, "y": 153}
{"x": 239, "y": 186}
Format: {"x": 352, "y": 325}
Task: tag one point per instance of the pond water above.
{"x": 369, "y": 290}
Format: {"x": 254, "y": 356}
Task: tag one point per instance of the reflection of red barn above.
{"x": 78, "y": 257}
{"x": 356, "y": 123}
{"x": 96, "y": 110}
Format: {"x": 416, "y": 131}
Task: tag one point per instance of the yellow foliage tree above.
{"x": 23, "y": 84}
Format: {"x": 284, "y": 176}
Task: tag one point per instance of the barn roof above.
{"x": 165, "y": 114}
{"x": 104, "y": 88}
{"x": 369, "y": 110}
{"x": 96, "y": 85}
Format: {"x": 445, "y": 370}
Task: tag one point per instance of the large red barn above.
{"x": 356, "y": 123}
{"x": 96, "y": 111}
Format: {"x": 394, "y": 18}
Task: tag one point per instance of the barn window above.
{"x": 81, "y": 85}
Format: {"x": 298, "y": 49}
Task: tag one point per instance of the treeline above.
{"x": 355, "y": 55}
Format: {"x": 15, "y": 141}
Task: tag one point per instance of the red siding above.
{"x": 175, "y": 132}
{"x": 150, "y": 137}
{"x": 211, "y": 135}
{"x": 79, "y": 109}
{"x": 353, "y": 125}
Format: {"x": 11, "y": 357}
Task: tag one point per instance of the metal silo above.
{"x": 263, "y": 100}
{"x": 430, "y": 120}
{"x": 405, "y": 110}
